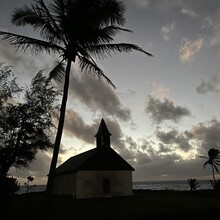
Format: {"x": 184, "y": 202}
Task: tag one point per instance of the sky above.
{"x": 164, "y": 112}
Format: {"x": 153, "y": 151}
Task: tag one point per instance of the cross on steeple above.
{"x": 103, "y": 135}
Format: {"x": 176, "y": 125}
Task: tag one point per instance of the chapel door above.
{"x": 106, "y": 186}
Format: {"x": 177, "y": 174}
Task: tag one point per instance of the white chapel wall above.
{"x": 90, "y": 183}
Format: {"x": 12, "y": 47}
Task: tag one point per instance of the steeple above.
{"x": 103, "y": 135}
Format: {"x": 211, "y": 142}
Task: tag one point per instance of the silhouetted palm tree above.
{"x": 77, "y": 30}
{"x": 213, "y": 159}
{"x": 28, "y": 186}
{"x": 193, "y": 184}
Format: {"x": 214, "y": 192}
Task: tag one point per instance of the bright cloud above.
{"x": 160, "y": 91}
{"x": 190, "y": 49}
{"x": 166, "y": 31}
{"x": 188, "y": 12}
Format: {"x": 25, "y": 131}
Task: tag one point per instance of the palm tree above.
{"x": 78, "y": 31}
{"x": 28, "y": 186}
{"x": 213, "y": 159}
{"x": 193, "y": 184}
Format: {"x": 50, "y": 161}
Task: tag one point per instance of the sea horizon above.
{"x": 176, "y": 185}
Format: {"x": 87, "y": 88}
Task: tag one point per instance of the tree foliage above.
{"x": 8, "y": 186}
{"x": 8, "y": 84}
{"x": 25, "y": 126}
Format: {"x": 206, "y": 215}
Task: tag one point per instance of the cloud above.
{"x": 212, "y": 23}
{"x": 75, "y": 126}
{"x": 207, "y": 135}
{"x": 174, "y": 138}
{"x": 141, "y": 3}
{"x": 208, "y": 22}
{"x": 215, "y": 39}
{"x": 38, "y": 168}
{"x": 151, "y": 161}
{"x": 170, "y": 168}
{"x": 188, "y": 12}
{"x": 160, "y": 91}
{"x": 190, "y": 49}
{"x": 160, "y": 111}
{"x": 201, "y": 137}
{"x": 26, "y": 65}
{"x": 212, "y": 85}
{"x": 98, "y": 96}
{"x": 166, "y": 31}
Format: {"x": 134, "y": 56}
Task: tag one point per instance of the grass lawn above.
{"x": 202, "y": 204}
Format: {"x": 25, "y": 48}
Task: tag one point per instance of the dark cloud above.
{"x": 167, "y": 169}
{"x": 202, "y": 137}
{"x": 209, "y": 86}
{"x": 160, "y": 111}
{"x": 98, "y": 96}
{"x": 175, "y": 138}
{"x": 207, "y": 135}
{"x": 75, "y": 126}
{"x": 165, "y": 148}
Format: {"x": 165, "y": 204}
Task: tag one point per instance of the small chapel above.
{"x": 99, "y": 172}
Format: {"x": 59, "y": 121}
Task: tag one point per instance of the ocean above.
{"x": 178, "y": 185}
{"x": 143, "y": 185}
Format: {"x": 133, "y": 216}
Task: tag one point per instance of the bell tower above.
{"x": 103, "y": 135}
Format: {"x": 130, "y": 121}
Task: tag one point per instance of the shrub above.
{"x": 8, "y": 185}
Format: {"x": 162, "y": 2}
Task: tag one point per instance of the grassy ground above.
{"x": 142, "y": 205}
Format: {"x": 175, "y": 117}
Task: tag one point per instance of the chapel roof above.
{"x": 99, "y": 158}
{"x": 95, "y": 159}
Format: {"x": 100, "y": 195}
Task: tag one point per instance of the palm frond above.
{"x": 35, "y": 45}
{"x": 92, "y": 67}
{"x": 216, "y": 168}
{"x": 52, "y": 23}
{"x": 23, "y": 16}
{"x": 207, "y": 162}
{"x": 217, "y": 162}
{"x": 104, "y": 50}
{"x": 38, "y": 16}
{"x": 103, "y": 35}
{"x": 110, "y": 11}
{"x": 57, "y": 73}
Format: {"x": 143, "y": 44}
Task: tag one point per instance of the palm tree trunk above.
{"x": 213, "y": 174}
{"x": 59, "y": 130}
